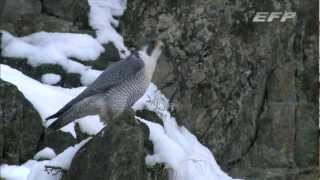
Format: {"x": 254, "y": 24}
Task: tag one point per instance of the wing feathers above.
{"x": 115, "y": 74}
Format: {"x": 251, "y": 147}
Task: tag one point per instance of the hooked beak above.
{"x": 152, "y": 46}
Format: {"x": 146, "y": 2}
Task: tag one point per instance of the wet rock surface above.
{"x": 249, "y": 91}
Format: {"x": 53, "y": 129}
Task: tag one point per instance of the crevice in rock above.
{"x": 42, "y": 7}
{"x": 3, "y": 153}
{"x": 50, "y": 14}
{"x": 261, "y": 109}
{"x": 45, "y": 12}
{"x": 41, "y": 139}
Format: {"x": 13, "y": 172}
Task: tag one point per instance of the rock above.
{"x": 13, "y": 10}
{"x": 58, "y": 141}
{"x": 72, "y": 10}
{"x": 67, "y": 80}
{"x": 20, "y": 126}
{"x": 117, "y": 152}
{"x": 109, "y": 56}
{"x": 281, "y": 174}
{"x": 29, "y": 24}
{"x": 243, "y": 88}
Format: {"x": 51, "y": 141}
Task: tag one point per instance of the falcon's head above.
{"x": 151, "y": 50}
{"x": 150, "y": 54}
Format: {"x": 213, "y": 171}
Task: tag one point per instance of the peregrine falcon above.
{"x": 115, "y": 90}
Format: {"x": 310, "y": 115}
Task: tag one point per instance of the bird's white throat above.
{"x": 150, "y": 61}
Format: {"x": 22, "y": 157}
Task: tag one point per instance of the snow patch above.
{"x": 45, "y": 153}
{"x": 175, "y": 146}
{"x": 55, "y": 48}
{"x": 13, "y": 172}
{"x": 101, "y": 19}
{"x": 48, "y": 99}
{"x": 182, "y": 153}
{"x": 90, "y": 125}
{"x": 50, "y": 78}
{"x": 50, "y": 48}
{"x": 36, "y": 170}
{"x": 64, "y": 159}
{"x": 45, "y": 98}
{"x": 69, "y": 128}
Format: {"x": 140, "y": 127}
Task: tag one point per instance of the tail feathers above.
{"x": 62, "y": 120}
{"x": 59, "y": 123}
{"x": 61, "y": 111}
{"x": 63, "y": 115}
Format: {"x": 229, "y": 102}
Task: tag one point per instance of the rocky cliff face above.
{"x": 247, "y": 90}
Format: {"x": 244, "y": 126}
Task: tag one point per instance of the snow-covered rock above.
{"x": 175, "y": 146}
{"x": 41, "y": 170}
{"x": 101, "y": 18}
{"x": 55, "y": 48}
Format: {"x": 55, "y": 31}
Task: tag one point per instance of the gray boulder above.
{"x": 12, "y": 10}
{"x": 20, "y": 126}
{"x": 72, "y": 10}
{"x": 116, "y": 153}
{"x": 57, "y": 140}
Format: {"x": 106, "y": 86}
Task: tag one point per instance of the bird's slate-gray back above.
{"x": 118, "y": 87}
